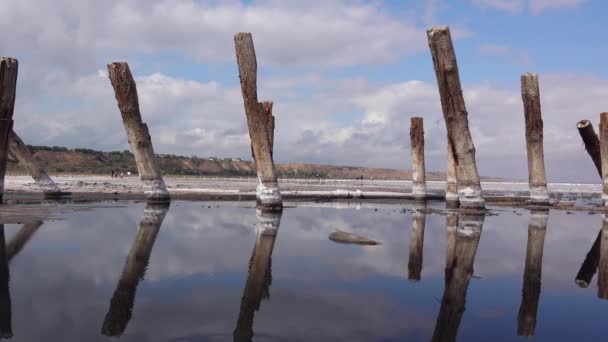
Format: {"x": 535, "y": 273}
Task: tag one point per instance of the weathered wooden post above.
{"x": 19, "y": 150}
{"x": 267, "y": 109}
{"x": 6, "y": 325}
{"x": 24, "y": 235}
{"x": 414, "y": 265}
{"x": 417, "y": 154}
{"x": 602, "y": 269}
{"x": 604, "y": 153}
{"x": 526, "y": 318}
{"x": 530, "y": 94}
{"x": 592, "y": 143}
{"x": 268, "y": 194}
{"x": 8, "y": 84}
{"x": 137, "y": 132}
{"x": 451, "y": 189}
{"x": 123, "y": 299}
{"x": 259, "y": 277}
{"x": 456, "y": 117}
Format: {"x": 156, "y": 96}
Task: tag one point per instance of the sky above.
{"x": 345, "y": 76}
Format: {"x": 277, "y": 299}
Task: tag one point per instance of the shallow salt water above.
{"x": 218, "y": 271}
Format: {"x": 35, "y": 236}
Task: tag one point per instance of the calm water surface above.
{"x": 222, "y": 271}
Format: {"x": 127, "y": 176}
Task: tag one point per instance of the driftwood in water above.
{"x": 349, "y": 238}
{"x": 123, "y": 299}
{"x": 259, "y": 277}
{"x": 526, "y": 318}
{"x": 137, "y": 132}
{"x": 604, "y": 155}
{"x": 530, "y": 94}
{"x": 8, "y": 85}
{"x": 417, "y": 156}
{"x": 268, "y": 193}
{"x": 592, "y": 143}
{"x": 589, "y": 267}
{"x": 456, "y": 117}
{"x": 414, "y": 265}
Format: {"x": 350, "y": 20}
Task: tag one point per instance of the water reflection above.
{"x": 6, "y": 330}
{"x": 602, "y": 274}
{"x": 589, "y": 266}
{"x": 121, "y": 304}
{"x": 414, "y": 265}
{"x": 21, "y": 238}
{"x": 259, "y": 276}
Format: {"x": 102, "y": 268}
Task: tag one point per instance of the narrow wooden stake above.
{"x": 456, "y": 117}
{"x": 602, "y": 269}
{"x": 414, "y": 265}
{"x": 592, "y": 143}
{"x": 123, "y": 299}
{"x": 8, "y": 84}
{"x": 259, "y": 277}
{"x": 526, "y": 318}
{"x": 137, "y": 132}
{"x": 604, "y": 153}
{"x": 19, "y": 150}
{"x": 417, "y": 154}
{"x": 530, "y": 94}
{"x": 451, "y": 189}
{"x": 24, "y": 235}
{"x": 589, "y": 266}
{"x": 268, "y": 193}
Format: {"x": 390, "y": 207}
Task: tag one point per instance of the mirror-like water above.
{"x": 223, "y": 271}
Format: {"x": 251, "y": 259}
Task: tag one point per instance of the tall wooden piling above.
{"x": 268, "y": 194}
{"x": 417, "y": 155}
{"x": 604, "y": 154}
{"x": 414, "y": 265}
{"x": 19, "y": 150}
{"x": 8, "y": 84}
{"x": 591, "y": 142}
{"x": 530, "y": 94}
{"x": 456, "y": 117}
{"x": 137, "y": 132}
{"x": 526, "y": 318}
{"x": 602, "y": 269}
{"x": 451, "y": 189}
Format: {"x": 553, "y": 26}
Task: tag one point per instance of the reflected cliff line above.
{"x": 530, "y": 296}
{"x": 461, "y": 250}
{"x": 121, "y": 304}
{"x": 259, "y": 277}
{"x": 414, "y": 265}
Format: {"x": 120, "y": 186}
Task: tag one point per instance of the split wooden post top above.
{"x": 8, "y": 86}
{"x": 268, "y": 193}
{"x": 417, "y": 156}
{"x": 137, "y": 132}
{"x": 456, "y": 117}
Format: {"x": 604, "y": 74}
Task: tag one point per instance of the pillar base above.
{"x": 539, "y": 195}
{"x": 56, "y": 194}
{"x": 156, "y": 190}
{"x": 470, "y": 198}
{"x": 268, "y": 221}
{"x": 268, "y": 197}
{"x": 419, "y": 191}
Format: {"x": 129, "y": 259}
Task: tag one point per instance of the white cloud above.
{"x": 538, "y": 6}
{"x": 493, "y": 49}
{"x": 511, "y": 6}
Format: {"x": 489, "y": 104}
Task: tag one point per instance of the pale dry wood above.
{"x": 604, "y": 154}
{"x": 417, "y": 156}
{"x": 8, "y": 85}
{"x": 591, "y": 142}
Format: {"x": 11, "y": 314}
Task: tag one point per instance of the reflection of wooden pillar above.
{"x": 602, "y": 270}
{"x": 589, "y": 266}
{"x": 121, "y": 305}
{"x": 604, "y": 155}
{"x": 259, "y": 277}
{"x": 526, "y": 319}
{"x": 6, "y": 326}
{"x": 21, "y": 238}
{"x": 452, "y": 227}
{"x": 458, "y": 276}
{"x": 8, "y": 86}
{"x": 414, "y": 265}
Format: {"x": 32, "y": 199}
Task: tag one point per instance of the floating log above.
{"x": 8, "y": 84}
{"x": 589, "y": 267}
{"x": 526, "y": 318}
{"x": 602, "y": 269}
{"x": 456, "y": 117}
{"x": 6, "y": 325}
{"x": 268, "y": 194}
{"x": 21, "y": 238}
{"x": 592, "y": 143}
{"x": 530, "y": 94}
{"x": 604, "y": 155}
{"x": 349, "y": 238}
{"x": 19, "y": 150}
{"x": 259, "y": 277}
{"x": 451, "y": 189}
{"x": 414, "y": 265}
{"x": 123, "y": 299}
{"x": 137, "y": 132}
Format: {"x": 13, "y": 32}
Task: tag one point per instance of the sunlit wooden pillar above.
{"x": 451, "y": 188}
{"x": 417, "y": 156}
{"x": 8, "y": 86}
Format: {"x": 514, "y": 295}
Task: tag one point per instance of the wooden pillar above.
{"x": 456, "y": 117}
{"x": 604, "y": 155}
{"x": 537, "y": 179}
{"x": 592, "y": 143}
{"x": 123, "y": 299}
{"x": 267, "y": 109}
{"x": 526, "y": 318}
{"x": 589, "y": 265}
{"x": 259, "y": 277}
{"x": 602, "y": 269}
{"x": 19, "y": 150}
{"x": 137, "y": 132}
{"x": 414, "y": 265}
{"x": 8, "y": 85}
{"x": 451, "y": 189}
{"x": 268, "y": 194}
{"x": 417, "y": 154}
{"x": 24, "y": 235}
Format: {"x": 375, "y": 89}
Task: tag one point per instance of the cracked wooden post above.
{"x": 456, "y": 117}
{"x": 417, "y": 155}
{"x": 604, "y": 154}
{"x": 530, "y": 94}
{"x": 123, "y": 299}
{"x": 268, "y": 194}
{"x": 137, "y": 132}
{"x": 451, "y": 188}
{"x": 8, "y": 84}
{"x": 414, "y": 265}
{"x": 592, "y": 143}
{"x": 526, "y": 318}
{"x": 602, "y": 269}
{"x": 19, "y": 150}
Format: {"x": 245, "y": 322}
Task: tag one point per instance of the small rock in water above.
{"x": 344, "y": 237}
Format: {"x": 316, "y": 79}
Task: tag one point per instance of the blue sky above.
{"x": 345, "y": 76}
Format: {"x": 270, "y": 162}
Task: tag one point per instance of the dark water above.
{"x": 214, "y": 274}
